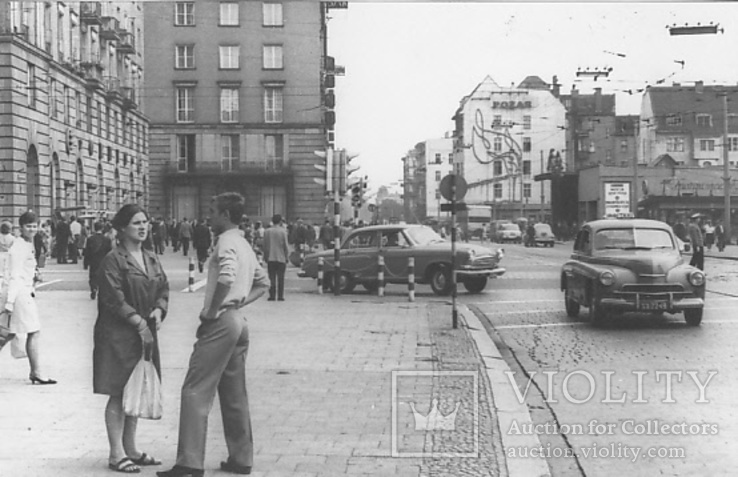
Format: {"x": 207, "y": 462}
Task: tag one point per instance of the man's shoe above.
{"x": 271, "y": 298}
{"x": 280, "y": 298}
{"x": 93, "y": 294}
{"x": 181, "y": 471}
{"x": 234, "y": 468}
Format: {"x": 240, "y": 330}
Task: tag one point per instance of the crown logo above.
{"x": 435, "y": 421}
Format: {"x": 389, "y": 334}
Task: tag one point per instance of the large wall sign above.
{"x": 495, "y": 144}
{"x": 512, "y": 104}
{"x": 617, "y": 198}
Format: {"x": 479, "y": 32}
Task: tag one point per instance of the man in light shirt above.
{"x": 75, "y": 229}
{"x": 218, "y": 361}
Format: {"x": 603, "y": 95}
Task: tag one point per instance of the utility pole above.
{"x": 726, "y": 168}
{"x": 634, "y": 192}
{"x": 543, "y": 196}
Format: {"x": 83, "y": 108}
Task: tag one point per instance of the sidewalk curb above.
{"x": 504, "y": 402}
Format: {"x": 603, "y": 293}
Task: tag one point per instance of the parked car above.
{"x": 360, "y": 249}
{"x": 506, "y": 232}
{"x": 631, "y": 265}
{"x": 543, "y": 236}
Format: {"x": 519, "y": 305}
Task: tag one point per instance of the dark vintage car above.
{"x": 632, "y": 265}
{"x": 361, "y": 247}
{"x": 543, "y": 235}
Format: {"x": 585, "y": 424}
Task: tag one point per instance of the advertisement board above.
{"x": 617, "y": 198}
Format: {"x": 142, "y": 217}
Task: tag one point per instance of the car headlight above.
{"x": 607, "y": 278}
{"x": 696, "y": 278}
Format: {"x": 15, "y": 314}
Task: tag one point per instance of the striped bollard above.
{"x": 320, "y": 275}
{"x": 380, "y": 275}
{"x": 411, "y": 279}
{"x": 191, "y": 280}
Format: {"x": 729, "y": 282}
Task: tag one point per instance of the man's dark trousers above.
{"x": 202, "y": 256}
{"x": 698, "y": 258}
{"x": 185, "y": 241}
{"x": 218, "y": 362}
{"x": 276, "y": 278}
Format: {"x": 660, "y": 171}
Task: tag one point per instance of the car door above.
{"x": 575, "y": 273}
{"x": 359, "y": 254}
{"x": 396, "y": 249}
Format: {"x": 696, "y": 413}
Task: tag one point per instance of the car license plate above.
{"x": 652, "y": 305}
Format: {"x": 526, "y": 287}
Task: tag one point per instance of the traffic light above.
{"x": 327, "y": 167}
{"x": 356, "y": 192}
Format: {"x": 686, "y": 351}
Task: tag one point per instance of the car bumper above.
{"x": 495, "y": 272}
{"x": 667, "y": 304}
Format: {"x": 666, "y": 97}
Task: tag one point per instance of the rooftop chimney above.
{"x": 574, "y": 91}
{"x": 555, "y": 87}
{"x": 699, "y": 87}
{"x": 598, "y": 99}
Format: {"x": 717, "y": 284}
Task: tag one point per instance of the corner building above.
{"x": 235, "y": 97}
{"x": 73, "y": 136}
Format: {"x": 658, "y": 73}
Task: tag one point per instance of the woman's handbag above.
{"x": 5, "y": 334}
{"x": 142, "y": 393}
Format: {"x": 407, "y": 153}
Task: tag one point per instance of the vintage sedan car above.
{"x": 543, "y": 236}
{"x": 632, "y": 265}
{"x": 396, "y": 243}
{"x": 508, "y": 232}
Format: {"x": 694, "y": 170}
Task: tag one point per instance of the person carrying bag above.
{"x": 142, "y": 393}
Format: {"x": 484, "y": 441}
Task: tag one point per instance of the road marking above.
{"x": 543, "y": 325}
{"x": 43, "y": 284}
{"x": 196, "y": 286}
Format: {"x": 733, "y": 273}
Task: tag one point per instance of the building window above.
{"x": 229, "y": 14}
{"x": 229, "y": 105}
{"x": 497, "y": 120}
{"x": 673, "y": 120}
{"x": 674, "y": 144}
{"x": 229, "y": 57}
{"x": 497, "y": 144}
{"x": 526, "y": 144}
{"x": 274, "y": 149}
{"x": 707, "y": 144}
{"x": 273, "y": 104}
{"x": 450, "y": 157}
{"x": 526, "y": 122}
{"x": 438, "y": 158}
{"x": 624, "y": 145}
{"x": 704, "y": 120}
{"x": 272, "y": 13}
{"x": 185, "y": 104}
{"x": 733, "y": 144}
{"x": 185, "y": 152}
{"x": 31, "y": 86}
{"x": 497, "y": 189}
{"x": 184, "y": 13}
{"x": 184, "y": 57}
{"x": 273, "y": 57}
{"x": 438, "y": 176}
{"x": 608, "y": 156}
{"x": 497, "y": 168}
{"x": 52, "y": 99}
{"x": 526, "y": 168}
{"x": 229, "y": 151}
{"x": 526, "y": 191}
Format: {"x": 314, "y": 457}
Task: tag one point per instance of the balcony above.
{"x": 273, "y": 167}
{"x": 129, "y": 97}
{"x": 93, "y": 72}
{"x": 112, "y": 88}
{"x": 109, "y": 29}
{"x": 127, "y": 42}
{"x": 91, "y": 13}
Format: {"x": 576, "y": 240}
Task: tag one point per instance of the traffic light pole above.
{"x": 337, "y": 242}
{"x": 454, "y": 311}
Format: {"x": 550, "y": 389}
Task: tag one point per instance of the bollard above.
{"x": 411, "y": 279}
{"x": 380, "y": 276}
{"x": 320, "y": 275}
{"x": 191, "y": 280}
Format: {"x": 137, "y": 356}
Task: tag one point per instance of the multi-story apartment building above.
{"x": 425, "y": 165}
{"x": 590, "y": 127}
{"x": 73, "y": 137}
{"x": 236, "y": 97}
{"x": 504, "y": 137}
{"x": 687, "y": 123}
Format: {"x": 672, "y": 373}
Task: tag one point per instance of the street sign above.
{"x": 617, "y": 198}
{"x": 449, "y": 207}
{"x": 448, "y": 182}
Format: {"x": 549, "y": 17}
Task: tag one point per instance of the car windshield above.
{"x": 509, "y": 227}
{"x": 633, "y": 239}
{"x": 542, "y": 227}
{"x": 423, "y": 235}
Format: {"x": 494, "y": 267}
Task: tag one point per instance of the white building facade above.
{"x": 504, "y": 137}
{"x": 439, "y": 156}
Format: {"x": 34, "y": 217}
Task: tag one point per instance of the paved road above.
{"x": 560, "y": 355}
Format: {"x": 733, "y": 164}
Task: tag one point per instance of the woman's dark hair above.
{"x": 28, "y": 217}
{"x": 125, "y": 214}
{"x": 6, "y": 227}
{"x": 232, "y": 202}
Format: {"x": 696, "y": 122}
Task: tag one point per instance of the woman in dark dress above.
{"x": 132, "y": 302}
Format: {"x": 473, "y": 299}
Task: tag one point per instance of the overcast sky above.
{"x": 409, "y": 64}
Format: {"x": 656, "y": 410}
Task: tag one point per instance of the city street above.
{"x": 526, "y": 314}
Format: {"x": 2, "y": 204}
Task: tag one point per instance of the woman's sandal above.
{"x": 125, "y": 466}
{"x": 145, "y": 459}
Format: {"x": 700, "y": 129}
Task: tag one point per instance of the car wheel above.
{"x": 693, "y": 317}
{"x": 475, "y": 285}
{"x": 572, "y": 306}
{"x": 440, "y": 280}
{"x": 596, "y": 314}
{"x": 346, "y": 283}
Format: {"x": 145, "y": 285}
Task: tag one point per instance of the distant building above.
{"x": 590, "y": 129}
{"x": 433, "y": 160}
{"x": 74, "y": 140}
{"x": 237, "y": 100}
{"x": 504, "y": 137}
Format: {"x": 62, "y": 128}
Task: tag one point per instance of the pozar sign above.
{"x": 512, "y": 104}
{"x": 617, "y": 198}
